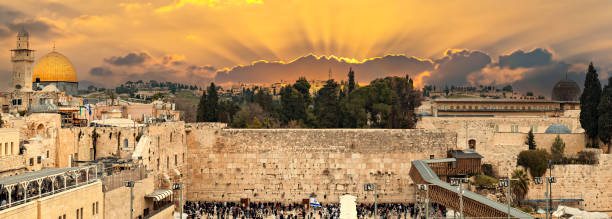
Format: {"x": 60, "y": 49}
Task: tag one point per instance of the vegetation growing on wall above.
{"x": 535, "y": 161}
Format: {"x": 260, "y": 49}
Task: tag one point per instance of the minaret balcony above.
{"x": 21, "y": 57}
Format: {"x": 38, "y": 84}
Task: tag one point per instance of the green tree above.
{"x": 530, "y": 140}
{"x": 255, "y": 124}
{"x": 534, "y": 160}
{"x": 303, "y": 87}
{"x": 326, "y": 106}
{"x": 201, "y": 113}
{"x": 507, "y": 88}
{"x": 604, "y": 125}
{"x": 351, "y": 80}
{"x": 293, "y": 107}
{"x": 589, "y": 101}
{"x": 212, "y": 102}
{"x": 520, "y": 186}
{"x": 265, "y": 100}
{"x": 557, "y": 149}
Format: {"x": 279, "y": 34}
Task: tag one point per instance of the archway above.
{"x": 472, "y": 144}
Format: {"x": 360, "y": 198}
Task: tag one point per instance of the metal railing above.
{"x": 118, "y": 180}
{"x": 170, "y": 204}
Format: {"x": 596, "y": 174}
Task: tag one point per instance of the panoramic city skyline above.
{"x": 263, "y": 41}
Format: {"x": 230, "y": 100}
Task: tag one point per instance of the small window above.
{"x": 175, "y": 160}
{"x": 38, "y": 159}
{"x": 19, "y": 102}
{"x": 96, "y": 207}
{"x": 125, "y": 142}
{"x": 31, "y": 161}
{"x": 47, "y": 153}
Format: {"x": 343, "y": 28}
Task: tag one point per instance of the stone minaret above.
{"x": 22, "y": 58}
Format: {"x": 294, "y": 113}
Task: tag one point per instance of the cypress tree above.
{"x": 604, "y": 125}
{"x": 589, "y": 101}
{"x": 212, "y": 102}
{"x": 351, "y": 80}
{"x": 200, "y": 117}
{"x": 530, "y": 140}
{"x": 326, "y": 106}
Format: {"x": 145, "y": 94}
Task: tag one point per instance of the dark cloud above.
{"x": 542, "y": 79}
{"x": 130, "y": 59}
{"x": 318, "y": 68}
{"x": 456, "y": 65}
{"x": 100, "y": 71}
{"x": 520, "y": 59}
{"x": 11, "y": 22}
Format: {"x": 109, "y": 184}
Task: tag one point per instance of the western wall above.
{"x": 288, "y": 165}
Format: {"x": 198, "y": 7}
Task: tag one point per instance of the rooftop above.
{"x": 464, "y": 154}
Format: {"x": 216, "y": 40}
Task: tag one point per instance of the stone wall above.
{"x": 117, "y": 203}
{"x": 591, "y": 182}
{"x": 288, "y": 165}
{"x": 501, "y": 139}
{"x": 67, "y": 202}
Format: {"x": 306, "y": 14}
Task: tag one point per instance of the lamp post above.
{"x": 459, "y": 183}
{"x": 425, "y": 187}
{"x": 130, "y": 184}
{"x": 179, "y": 186}
{"x": 507, "y": 182}
{"x": 372, "y": 187}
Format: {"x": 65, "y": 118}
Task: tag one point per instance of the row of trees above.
{"x": 596, "y": 108}
{"x": 384, "y": 103}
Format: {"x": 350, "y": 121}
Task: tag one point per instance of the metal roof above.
{"x": 159, "y": 194}
{"x": 464, "y": 154}
{"x": 29, "y": 176}
{"x": 443, "y": 160}
{"x": 558, "y": 129}
{"x": 430, "y": 176}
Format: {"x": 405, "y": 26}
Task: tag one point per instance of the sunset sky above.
{"x": 530, "y": 45}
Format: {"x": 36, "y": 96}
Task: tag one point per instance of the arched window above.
{"x": 472, "y": 144}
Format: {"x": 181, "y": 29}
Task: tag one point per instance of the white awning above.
{"x": 159, "y": 194}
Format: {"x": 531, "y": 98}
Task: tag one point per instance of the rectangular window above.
{"x": 64, "y": 216}
{"x": 77, "y": 213}
{"x": 38, "y": 159}
{"x": 81, "y": 213}
{"x": 175, "y": 160}
{"x": 19, "y": 102}
{"x": 93, "y": 208}
{"x": 167, "y": 162}
{"x": 96, "y": 207}
{"x": 31, "y": 161}
{"x": 183, "y": 157}
{"x": 12, "y": 151}
{"x": 47, "y": 153}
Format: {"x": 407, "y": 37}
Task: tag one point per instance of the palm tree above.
{"x": 520, "y": 186}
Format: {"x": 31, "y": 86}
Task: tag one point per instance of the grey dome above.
{"x": 558, "y": 129}
{"x": 566, "y": 90}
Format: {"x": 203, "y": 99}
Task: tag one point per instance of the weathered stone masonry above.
{"x": 288, "y": 165}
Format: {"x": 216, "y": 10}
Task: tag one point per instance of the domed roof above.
{"x": 566, "y": 90}
{"x": 558, "y": 129}
{"x": 54, "y": 67}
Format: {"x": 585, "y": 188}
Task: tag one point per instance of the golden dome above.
{"x": 54, "y": 67}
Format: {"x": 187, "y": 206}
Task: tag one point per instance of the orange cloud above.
{"x": 210, "y": 3}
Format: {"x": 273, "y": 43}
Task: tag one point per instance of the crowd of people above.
{"x": 270, "y": 210}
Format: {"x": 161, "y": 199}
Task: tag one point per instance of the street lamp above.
{"x": 425, "y": 187}
{"x": 549, "y": 181}
{"x": 507, "y": 182}
{"x": 459, "y": 183}
{"x": 179, "y": 186}
{"x": 130, "y": 184}
{"x": 372, "y": 187}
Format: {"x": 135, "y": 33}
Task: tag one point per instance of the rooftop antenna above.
{"x": 329, "y": 75}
